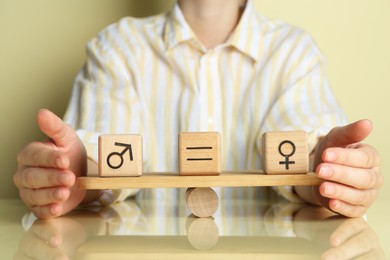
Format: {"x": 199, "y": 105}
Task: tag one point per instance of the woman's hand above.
{"x": 47, "y": 171}
{"x": 350, "y": 170}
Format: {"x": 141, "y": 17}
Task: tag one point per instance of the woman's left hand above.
{"x": 350, "y": 170}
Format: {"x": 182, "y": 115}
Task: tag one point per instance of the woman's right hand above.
{"x": 47, "y": 171}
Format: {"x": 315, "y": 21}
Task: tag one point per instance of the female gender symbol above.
{"x": 287, "y": 161}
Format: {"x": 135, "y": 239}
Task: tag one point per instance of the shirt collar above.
{"x": 246, "y": 37}
{"x": 177, "y": 29}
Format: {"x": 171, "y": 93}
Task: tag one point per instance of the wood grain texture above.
{"x": 202, "y": 233}
{"x": 285, "y": 152}
{"x": 203, "y": 202}
{"x": 174, "y": 180}
{"x": 199, "y": 153}
{"x": 120, "y": 155}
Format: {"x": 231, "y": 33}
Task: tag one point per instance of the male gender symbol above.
{"x": 287, "y": 161}
{"x": 128, "y": 147}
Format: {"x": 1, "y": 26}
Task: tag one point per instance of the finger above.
{"x": 347, "y": 230}
{"x": 46, "y": 230}
{"x": 376, "y": 254}
{"x": 349, "y": 134}
{"x": 346, "y": 209}
{"x": 42, "y": 155}
{"x": 21, "y": 256}
{"x": 42, "y": 197}
{"x": 47, "y": 253}
{"x": 48, "y": 211}
{"x": 35, "y": 248}
{"x": 348, "y": 194}
{"x": 363, "y": 156}
{"x": 37, "y": 178}
{"x": 55, "y": 128}
{"x": 360, "y": 244}
{"x": 355, "y": 177}
{"x": 32, "y": 247}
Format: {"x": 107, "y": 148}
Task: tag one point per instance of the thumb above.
{"x": 56, "y": 129}
{"x": 349, "y": 134}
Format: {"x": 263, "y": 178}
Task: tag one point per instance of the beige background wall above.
{"x": 42, "y": 48}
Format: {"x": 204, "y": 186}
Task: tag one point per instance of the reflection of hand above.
{"x": 57, "y": 238}
{"x": 337, "y": 237}
{"x": 279, "y": 218}
{"x": 354, "y": 239}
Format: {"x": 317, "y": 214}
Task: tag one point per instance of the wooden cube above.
{"x": 120, "y": 155}
{"x": 199, "y": 153}
{"x": 285, "y": 152}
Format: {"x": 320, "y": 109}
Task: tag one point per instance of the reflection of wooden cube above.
{"x": 285, "y": 152}
{"x": 120, "y": 155}
{"x": 199, "y": 153}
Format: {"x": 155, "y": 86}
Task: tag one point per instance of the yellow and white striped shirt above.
{"x": 153, "y": 77}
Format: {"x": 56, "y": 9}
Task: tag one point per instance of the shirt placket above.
{"x": 207, "y": 101}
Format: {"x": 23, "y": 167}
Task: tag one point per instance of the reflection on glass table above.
{"x": 243, "y": 229}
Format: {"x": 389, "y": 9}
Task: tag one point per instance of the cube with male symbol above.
{"x": 120, "y": 155}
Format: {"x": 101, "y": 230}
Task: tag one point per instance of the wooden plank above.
{"x": 174, "y": 180}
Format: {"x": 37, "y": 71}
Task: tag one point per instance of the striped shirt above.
{"x": 153, "y": 77}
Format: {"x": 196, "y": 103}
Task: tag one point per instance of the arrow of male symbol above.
{"x": 127, "y": 147}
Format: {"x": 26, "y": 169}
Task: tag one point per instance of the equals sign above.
{"x": 200, "y": 148}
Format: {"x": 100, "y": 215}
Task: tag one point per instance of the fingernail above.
{"x": 336, "y": 205}
{"x": 336, "y": 242}
{"x": 59, "y": 194}
{"x": 55, "y": 241}
{"x": 325, "y": 172}
{"x": 330, "y": 156}
{"x": 329, "y": 190}
{"x": 60, "y": 162}
{"x": 53, "y": 210}
{"x": 65, "y": 179}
